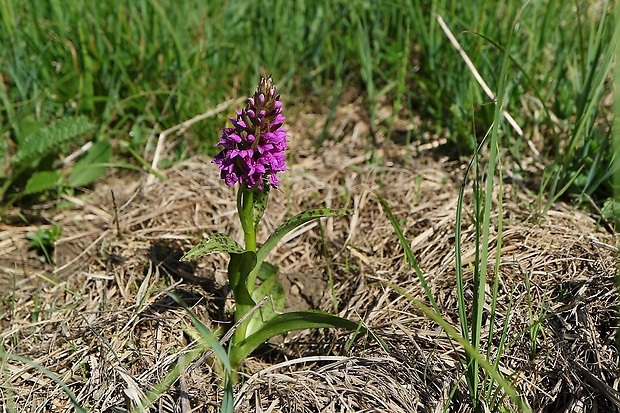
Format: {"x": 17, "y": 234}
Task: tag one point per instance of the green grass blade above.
{"x": 206, "y": 334}
{"x": 494, "y": 294}
{"x": 228, "y": 401}
{"x": 469, "y": 348}
{"x": 616, "y": 130}
{"x": 558, "y": 193}
{"x": 498, "y": 256}
{"x": 481, "y": 264}
{"x": 503, "y": 343}
{"x": 408, "y": 252}
{"x": 76, "y": 404}
{"x": 160, "y": 388}
{"x": 458, "y": 252}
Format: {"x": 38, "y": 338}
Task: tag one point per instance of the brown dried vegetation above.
{"x": 104, "y": 325}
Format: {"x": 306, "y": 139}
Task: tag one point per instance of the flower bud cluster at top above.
{"x": 253, "y": 149}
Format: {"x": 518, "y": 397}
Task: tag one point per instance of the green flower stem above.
{"x": 245, "y": 204}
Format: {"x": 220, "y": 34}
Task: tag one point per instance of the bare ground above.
{"x": 101, "y": 320}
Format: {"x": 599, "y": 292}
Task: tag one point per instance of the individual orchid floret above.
{"x": 253, "y": 149}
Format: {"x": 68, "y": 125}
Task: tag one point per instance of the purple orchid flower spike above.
{"x": 253, "y": 149}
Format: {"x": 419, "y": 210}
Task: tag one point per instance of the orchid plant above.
{"x": 253, "y": 153}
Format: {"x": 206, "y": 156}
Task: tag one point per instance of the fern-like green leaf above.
{"x": 49, "y": 138}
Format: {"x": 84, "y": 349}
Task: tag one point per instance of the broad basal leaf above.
{"x": 297, "y": 320}
{"x": 241, "y": 264}
{"x": 273, "y": 289}
{"x": 239, "y": 267}
{"x": 215, "y": 243}
{"x": 266, "y": 270}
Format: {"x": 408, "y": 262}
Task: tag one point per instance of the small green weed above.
{"x": 44, "y": 240}
{"x": 34, "y": 168}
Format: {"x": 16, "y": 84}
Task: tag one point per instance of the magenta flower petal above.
{"x": 253, "y": 149}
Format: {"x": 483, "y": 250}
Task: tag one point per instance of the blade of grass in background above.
{"x": 483, "y": 204}
{"x": 584, "y": 159}
{"x": 131, "y": 65}
{"x": 135, "y": 67}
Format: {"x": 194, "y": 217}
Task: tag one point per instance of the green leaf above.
{"x": 206, "y": 334}
{"x": 228, "y": 401}
{"x": 241, "y": 264}
{"x": 408, "y": 252}
{"x": 610, "y": 211}
{"x": 45, "y": 237}
{"x": 239, "y": 267}
{"x": 294, "y": 222}
{"x": 47, "y": 139}
{"x": 215, "y": 243}
{"x": 266, "y": 270}
{"x": 259, "y": 205}
{"x": 92, "y": 166}
{"x": 273, "y": 288}
{"x": 42, "y": 181}
{"x": 26, "y": 127}
{"x": 469, "y": 348}
{"x": 264, "y": 289}
{"x": 296, "y": 320}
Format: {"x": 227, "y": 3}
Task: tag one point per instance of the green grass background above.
{"x": 128, "y": 65}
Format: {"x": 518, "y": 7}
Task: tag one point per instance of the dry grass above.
{"x": 103, "y": 323}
